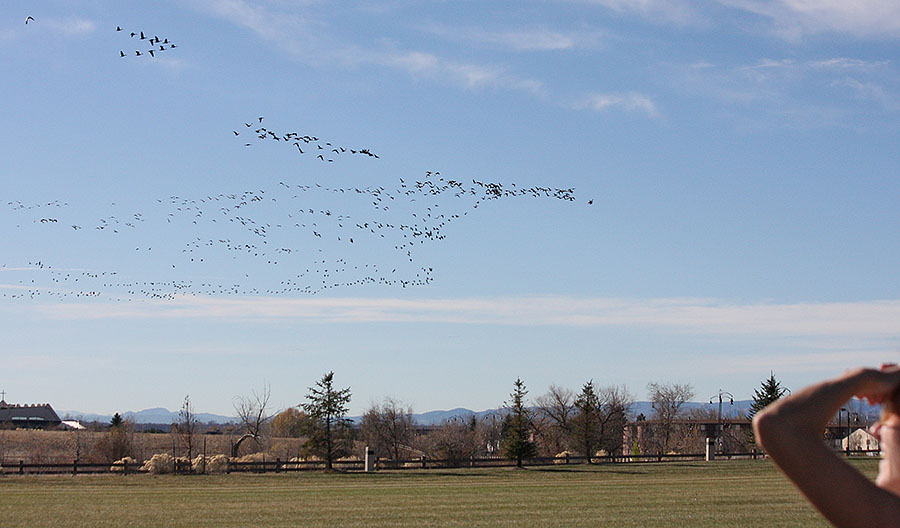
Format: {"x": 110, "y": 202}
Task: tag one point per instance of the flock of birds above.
{"x": 156, "y": 44}
{"x": 324, "y": 150}
{"x": 292, "y": 238}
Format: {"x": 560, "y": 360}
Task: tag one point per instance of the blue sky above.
{"x": 733, "y": 164}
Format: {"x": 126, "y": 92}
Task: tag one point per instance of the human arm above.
{"x": 790, "y": 430}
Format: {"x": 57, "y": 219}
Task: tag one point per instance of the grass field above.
{"x": 721, "y": 493}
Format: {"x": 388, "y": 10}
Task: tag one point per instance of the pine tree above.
{"x": 328, "y": 427}
{"x": 770, "y": 391}
{"x": 517, "y": 443}
{"x": 116, "y": 421}
{"x": 586, "y": 424}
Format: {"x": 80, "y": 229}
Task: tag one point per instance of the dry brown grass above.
{"x": 47, "y": 447}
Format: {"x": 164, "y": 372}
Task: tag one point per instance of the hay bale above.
{"x": 560, "y": 457}
{"x": 217, "y": 464}
{"x": 159, "y": 464}
{"x": 254, "y": 457}
{"x": 198, "y": 465}
{"x": 210, "y": 464}
{"x": 119, "y": 465}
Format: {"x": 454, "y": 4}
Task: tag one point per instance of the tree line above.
{"x": 587, "y": 423}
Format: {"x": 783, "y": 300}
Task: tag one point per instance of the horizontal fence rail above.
{"x": 278, "y": 466}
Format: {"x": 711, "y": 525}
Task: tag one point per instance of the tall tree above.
{"x": 614, "y": 404}
{"x": 667, "y": 400}
{"x": 554, "y": 416}
{"x": 770, "y": 391}
{"x": 586, "y": 424}
{"x": 254, "y": 416}
{"x": 518, "y": 444}
{"x": 187, "y": 426}
{"x": 388, "y": 428}
{"x": 328, "y": 427}
{"x": 288, "y": 423}
{"x": 116, "y": 421}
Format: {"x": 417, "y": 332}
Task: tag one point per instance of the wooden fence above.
{"x": 279, "y": 466}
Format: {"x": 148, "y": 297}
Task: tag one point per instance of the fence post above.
{"x": 75, "y": 467}
{"x": 424, "y": 466}
{"x": 567, "y": 458}
{"x": 125, "y": 467}
{"x": 277, "y": 465}
{"x": 471, "y": 460}
{"x": 21, "y": 467}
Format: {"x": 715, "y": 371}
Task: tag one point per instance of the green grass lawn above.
{"x": 689, "y": 494}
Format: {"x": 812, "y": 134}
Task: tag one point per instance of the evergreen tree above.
{"x": 586, "y": 425}
{"x": 770, "y": 391}
{"x": 328, "y": 428}
{"x": 116, "y": 421}
{"x": 517, "y": 443}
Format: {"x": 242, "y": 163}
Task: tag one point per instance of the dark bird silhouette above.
{"x": 235, "y": 132}
{"x": 137, "y": 53}
{"x": 31, "y": 18}
{"x": 133, "y": 34}
{"x": 121, "y": 53}
{"x": 151, "y": 53}
{"x": 142, "y": 36}
{"x": 118, "y": 28}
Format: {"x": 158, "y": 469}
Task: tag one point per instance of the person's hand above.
{"x": 877, "y": 386}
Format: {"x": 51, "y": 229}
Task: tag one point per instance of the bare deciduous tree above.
{"x": 667, "y": 400}
{"x": 388, "y": 428}
{"x": 553, "y": 418}
{"x": 187, "y": 426}
{"x": 614, "y": 403}
{"x": 454, "y": 440}
{"x": 254, "y": 418}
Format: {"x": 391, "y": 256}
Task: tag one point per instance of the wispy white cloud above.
{"x": 781, "y": 87}
{"x": 677, "y": 11}
{"x": 469, "y": 75}
{"x": 790, "y": 19}
{"x": 309, "y": 41}
{"x": 873, "y": 319}
{"x": 71, "y": 27}
{"x": 871, "y": 91}
{"x": 796, "y": 18}
{"x": 521, "y": 40}
{"x": 631, "y": 101}
{"x": 846, "y": 64}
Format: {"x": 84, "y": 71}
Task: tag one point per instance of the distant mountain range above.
{"x": 163, "y": 416}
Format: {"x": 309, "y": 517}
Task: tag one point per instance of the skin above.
{"x": 790, "y": 430}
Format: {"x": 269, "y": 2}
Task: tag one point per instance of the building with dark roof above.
{"x": 34, "y": 416}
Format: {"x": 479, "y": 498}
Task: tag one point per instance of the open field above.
{"x": 723, "y": 493}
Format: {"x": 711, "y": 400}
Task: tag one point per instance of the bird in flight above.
{"x": 31, "y": 18}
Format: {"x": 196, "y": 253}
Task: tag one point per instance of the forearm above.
{"x": 790, "y": 430}
{"x": 805, "y": 413}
